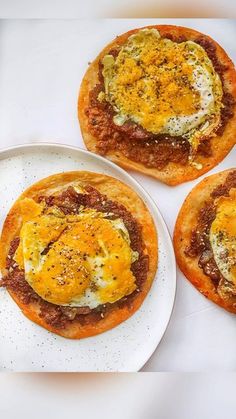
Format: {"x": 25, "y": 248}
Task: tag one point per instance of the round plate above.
{"x": 25, "y": 346}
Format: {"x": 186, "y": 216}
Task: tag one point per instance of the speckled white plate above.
{"x": 25, "y": 346}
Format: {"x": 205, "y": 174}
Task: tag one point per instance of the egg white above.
{"x": 223, "y": 237}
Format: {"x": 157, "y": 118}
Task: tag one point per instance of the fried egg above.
{"x": 75, "y": 260}
{"x": 166, "y": 87}
{"x": 223, "y": 236}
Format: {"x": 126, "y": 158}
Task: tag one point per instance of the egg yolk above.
{"x": 223, "y": 235}
{"x": 63, "y": 275}
{"x": 159, "y": 84}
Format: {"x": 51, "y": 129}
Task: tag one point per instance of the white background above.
{"x": 119, "y": 9}
{"x": 41, "y": 66}
{"x": 117, "y": 396}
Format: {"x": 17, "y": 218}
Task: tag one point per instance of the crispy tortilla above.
{"x": 116, "y": 191}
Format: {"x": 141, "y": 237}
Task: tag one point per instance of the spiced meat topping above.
{"x": 200, "y": 245}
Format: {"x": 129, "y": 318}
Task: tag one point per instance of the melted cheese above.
{"x": 166, "y": 87}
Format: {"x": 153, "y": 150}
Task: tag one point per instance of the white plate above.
{"x": 25, "y": 346}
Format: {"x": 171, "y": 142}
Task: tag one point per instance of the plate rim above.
{"x": 49, "y": 144}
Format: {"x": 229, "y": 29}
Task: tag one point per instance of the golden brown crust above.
{"x": 173, "y": 173}
{"x": 186, "y": 222}
{"x": 115, "y": 190}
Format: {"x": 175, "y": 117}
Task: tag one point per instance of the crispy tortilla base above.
{"x": 186, "y": 222}
{"x": 115, "y": 190}
{"x": 173, "y": 173}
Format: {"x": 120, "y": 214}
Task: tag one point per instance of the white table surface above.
{"x": 41, "y": 66}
